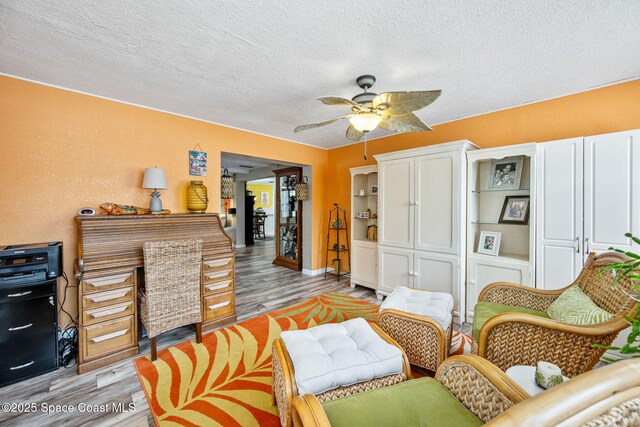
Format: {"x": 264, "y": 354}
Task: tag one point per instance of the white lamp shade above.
{"x": 365, "y": 122}
{"x": 154, "y": 178}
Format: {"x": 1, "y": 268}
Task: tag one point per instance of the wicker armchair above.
{"x": 172, "y": 288}
{"x": 479, "y": 386}
{"x": 511, "y": 339}
{"x": 608, "y": 396}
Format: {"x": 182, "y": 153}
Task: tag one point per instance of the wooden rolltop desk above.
{"x": 109, "y": 270}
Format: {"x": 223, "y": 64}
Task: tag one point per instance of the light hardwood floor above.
{"x": 261, "y": 287}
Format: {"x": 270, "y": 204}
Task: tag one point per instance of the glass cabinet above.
{"x": 288, "y": 219}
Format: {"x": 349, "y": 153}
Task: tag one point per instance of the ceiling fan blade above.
{"x": 354, "y": 134}
{"x": 338, "y": 100}
{"x": 396, "y": 103}
{"x": 317, "y": 125}
{"x": 404, "y": 123}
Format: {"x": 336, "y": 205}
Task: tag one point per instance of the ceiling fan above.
{"x": 390, "y": 110}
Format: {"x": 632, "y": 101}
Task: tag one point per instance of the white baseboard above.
{"x": 239, "y": 246}
{"x": 315, "y": 272}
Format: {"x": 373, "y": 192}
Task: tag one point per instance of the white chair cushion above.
{"x": 436, "y": 305}
{"x": 339, "y": 354}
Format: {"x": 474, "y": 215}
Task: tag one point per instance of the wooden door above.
{"x": 437, "y": 273}
{"x": 611, "y": 190}
{"x": 559, "y": 213}
{"x": 364, "y": 264}
{"x": 396, "y": 268}
{"x": 396, "y": 197}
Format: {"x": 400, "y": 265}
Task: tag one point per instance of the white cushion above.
{"x": 339, "y": 354}
{"x": 436, "y": 305}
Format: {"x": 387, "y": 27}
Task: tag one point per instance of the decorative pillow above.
{"x": 575, "y": 307}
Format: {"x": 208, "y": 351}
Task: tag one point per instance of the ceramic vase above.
{"x": 197, "y": 200}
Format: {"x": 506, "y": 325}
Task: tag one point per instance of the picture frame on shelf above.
{"x": 515, "y": 210}
{"x": 374, "y": 189}
{"x": 363, "y": 215}
{"x": 489, "y": 242}
{"x": 505, "y": 174}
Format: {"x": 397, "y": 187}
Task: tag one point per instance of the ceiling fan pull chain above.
{"x": 365, "y": 146}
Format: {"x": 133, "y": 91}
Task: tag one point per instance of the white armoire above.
{"x": 421, "y": 205}
{"x": 588, "y": 197}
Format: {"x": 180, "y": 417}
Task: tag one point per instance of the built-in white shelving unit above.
{"x": 364, "y": 212}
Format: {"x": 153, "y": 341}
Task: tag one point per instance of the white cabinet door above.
{"x": 437, "y": 273}
{"x": 559, "y": 213}
{"x": 396, "y": 192}
{"x": 364, "y": 264}
{"x": 611, "y": 190}
{"x": 437, "y": 190}
{"x": 484, "y": 271}
{"x": 396, "y": 268}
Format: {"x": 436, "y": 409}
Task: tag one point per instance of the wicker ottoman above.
{"x": 334, "y": 360}
{"x": 421, "y": 322}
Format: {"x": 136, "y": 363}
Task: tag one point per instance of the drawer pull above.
{"x": 109, "y": 336}
{"x": 109, "y": 297}
{"x": 20, "y": 294}
{"x": 17, "y": 328}
{"x": 221, "y": 304}
{"x": 221, "y": 286}
{"x": 97, "y": 283}
{"x": 217, "y": 262}
{"x": 108, "y": 312}
{"x": 216, "y": 274}
{"x": 13, "y": 368}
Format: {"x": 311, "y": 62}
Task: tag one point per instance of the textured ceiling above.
{"x": 259, "y": 65}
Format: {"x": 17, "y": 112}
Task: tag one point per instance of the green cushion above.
{"x": 575, "y": 307}
{"x": 485, "y": 310}
{"x": 420, "y": 402}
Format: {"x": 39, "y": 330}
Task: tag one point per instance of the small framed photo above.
{"x": 374, "y": 189}
{"x": 505, "y": 173}
{"x": 489, "y": 242}
{"x": 515, "y": 210}
{"x": 362, "y": 215}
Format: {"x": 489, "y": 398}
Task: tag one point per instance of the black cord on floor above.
{"x": 68, "y": 334}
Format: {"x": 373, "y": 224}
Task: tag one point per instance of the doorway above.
{"x": 251, "y": 216}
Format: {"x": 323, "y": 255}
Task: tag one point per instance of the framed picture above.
{"x": 505, "y": 173}
{"x": 515, "y": 210}
{"x": 197, "y": 163}
{"x": 374, "y": 189}
{"x": 489, "y": 242}
{"x": 264, "y": 198}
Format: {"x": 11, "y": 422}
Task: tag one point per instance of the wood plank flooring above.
{"x": 261, "y": 287}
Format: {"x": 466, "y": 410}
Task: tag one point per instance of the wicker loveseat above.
{"x": 471, "y": 391}
{"x": 524, "y": 338}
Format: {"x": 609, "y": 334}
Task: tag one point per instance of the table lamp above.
{"x": 156, "y": 179}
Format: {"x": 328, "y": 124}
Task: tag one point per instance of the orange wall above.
{"x": 61, "y": 151}
{"x": 609, "y": 109}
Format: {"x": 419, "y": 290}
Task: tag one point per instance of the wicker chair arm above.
{"x": 406, "y": 367}
{"x": 519, "y": 295}
{"x": 307, "y": 412}
{"x": 606, "y": 396}
{"x": 479, "y": 385}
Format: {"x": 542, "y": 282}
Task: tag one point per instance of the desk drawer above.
{"x": 101, "y": 299}
{"x": 108, "y": 337}
{"x": 217, "y": 264}
{"x": 109, "y": 280}
{"x": 217, "y": 306}
{"x": 102, "y": 314}
{"x": 217, "y": 287}
{"x": 217, "y": 276}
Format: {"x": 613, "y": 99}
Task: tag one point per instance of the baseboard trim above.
{"x": 239, "y": 246}
{"x": 318, "y": 272}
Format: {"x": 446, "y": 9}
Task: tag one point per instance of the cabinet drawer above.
{"x": 108, "y": 281}
{"x": 217, "y": 264}
{"x": 102, "y": 314}
{"x": 107, "y": 337}
{"x": 217, "y": 306}
{"x": 27, "y": 317}
{"x": 28, "y": 356}
{"x": 217, "y": 287}
{"x": 101, "y": 299}
{"x": 217, "y": 276}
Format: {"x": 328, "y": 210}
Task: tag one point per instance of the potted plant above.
{"x": 628, "y": 269}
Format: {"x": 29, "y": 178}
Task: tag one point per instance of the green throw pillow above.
{"x": 575, "y": 307}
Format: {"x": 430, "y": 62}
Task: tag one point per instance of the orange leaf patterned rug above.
{"x": 226, "y": 380}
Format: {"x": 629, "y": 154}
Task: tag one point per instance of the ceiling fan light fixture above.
{"x": 365, "y": 121}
